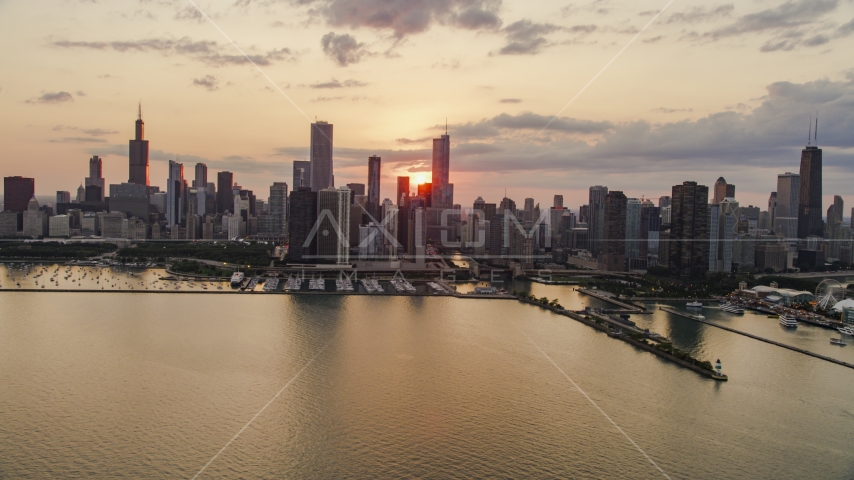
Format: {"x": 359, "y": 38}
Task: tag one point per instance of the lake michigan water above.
{"x": 129, "y": 385}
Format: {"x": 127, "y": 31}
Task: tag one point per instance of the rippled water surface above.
{"x": 152, "y": 385}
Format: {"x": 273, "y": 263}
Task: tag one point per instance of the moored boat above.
{"x": 732, "y": 308}
{"x": 789, "y": 321}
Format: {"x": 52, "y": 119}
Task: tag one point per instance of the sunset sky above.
{"x": 709, "y": 89}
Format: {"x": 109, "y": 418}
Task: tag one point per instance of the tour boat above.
{"x": 732, "y": 308}
{"x": 694, "y": 304}
{"x": 788, "y": 321}
{"x": 847, "y": 330}
{"x": 837, "y": 341}
{"x": 237, "y": 279}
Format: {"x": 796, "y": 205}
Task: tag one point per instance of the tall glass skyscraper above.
{"x": 322, "y": 176}
{"x": 809, "y": 203}
{"x": 138, "y": 155}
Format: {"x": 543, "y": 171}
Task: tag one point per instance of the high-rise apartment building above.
{"x": 442, "y": 189}
{"x": 322, "y": 176}
{"x": 558, "y": 202}
{"x": 138, "y": 155}
{"x": 403, "y": 191}
{"x": 786, "y": 212}
{"x": 279, "y": 207}
{"x": 302, "y": 246}
{"x": 333, "y": 220}
{"x": 613, "y": 244}
{"x": 810, "y": 222}
{"x": 596, "y": 219}
{"x": 689, "y": 230}
{"x": 633, "y": 228}
{"x": 224, "y": 195}
{"x": 201, "y": 180}
{"x": 302, "y": 174}
{"x": 374, "y": 175}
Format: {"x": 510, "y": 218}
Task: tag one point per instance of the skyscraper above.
{"x": 333, "y": 225}
{"x": 302, "y": 174}
{"x": 374, "y": 165}
{"x": 138, "y": 155}
{"x": 175, "y": 209}
{"x": 279, "y": 207}
{"x": 322, "y": 175}
{"x": 772, "y": 208}
{"x": 689, "y": 230}
{"x": 596, "y": 219}
{"x": 786, "y": 212}
{"x": 613, "y": 254}
{"x": 633, "y": 228}
{"x": 201, "y": 180}
{"x": 834, "y": 212}
{"x": 809, "y": 201}
{"x": 442, "y": 189}
{"x": 664, "y": 201}
{"x": 301, "y": 246}
{"x": 402, "y": 190}
{"x": 63, "y": 197}
{"x": 723, "y": 190}
{"x": 96, "y": 176}
{"x": 17, "y": 192}
{"x": 558, "y": 203}
{"x": 224, "y": 195}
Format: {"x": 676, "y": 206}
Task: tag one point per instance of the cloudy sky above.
{"x": 658, "y": 92}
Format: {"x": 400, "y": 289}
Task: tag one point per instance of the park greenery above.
{"x": 191, "y": 267}
{"x": 54, "y": 250}
{"x": 245, "y": 254}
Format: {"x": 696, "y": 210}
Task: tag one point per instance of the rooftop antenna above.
{"x": 809, "y": 135}
{"x": 815, "y": 138}
{"x": 446, "y": 125}
{"x": 140, "y": 110}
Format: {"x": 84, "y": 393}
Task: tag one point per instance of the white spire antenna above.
{"x": 809, "y": 135}
{"x": 815, "y": 138}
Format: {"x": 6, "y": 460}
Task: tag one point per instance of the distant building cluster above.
{"x": 692, "y": 231}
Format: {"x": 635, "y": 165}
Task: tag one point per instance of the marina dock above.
{"x": 756, "y": 337}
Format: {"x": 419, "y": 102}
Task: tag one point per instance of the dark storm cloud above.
{"x": 344, "y": 49}
{"x": 209, "y": 52}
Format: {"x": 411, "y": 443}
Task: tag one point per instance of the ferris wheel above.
{"x": 828, "y": 294}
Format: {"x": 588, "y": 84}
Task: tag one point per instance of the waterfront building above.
{"x": 332, "y": 228}
{"x": 786, "y": 210}
{"x": 279, "y": 208}
{"x": 727, "y": 235}
{"x": 596, "y": 219}
{"x": 8, "y": 224}
{"x": 111, "y": 224}
{"x": 322, "y": 176}
{"x": 633, "y": 228}
{"x": 96, "y": 176}
{"x": 301, "y": 246}
{"x": 35, "y": 220}
{"x": 613, "y": 256}
{"x": 714, "y": 232}
{"x": 689, "y": 230}
{"x": 138, "y": 155}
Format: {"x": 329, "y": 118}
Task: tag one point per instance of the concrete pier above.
{"x": 756, "y": 337}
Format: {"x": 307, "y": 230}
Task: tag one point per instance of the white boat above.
{"x": 237, "y": 279}
{"x": 732, "y": 308}
{"x": 837, "y": 341}
{"x": 694, "y": 304}
{"x": 789, "y": 321}
{"x": 847, "y": 330}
